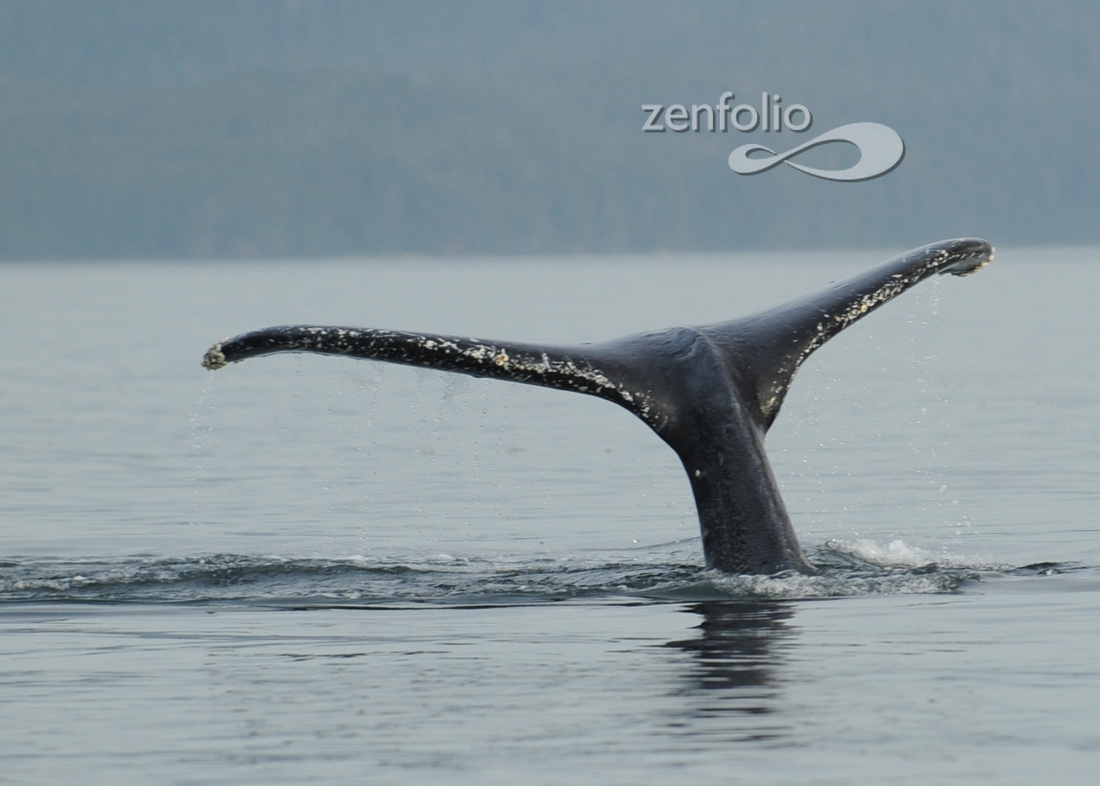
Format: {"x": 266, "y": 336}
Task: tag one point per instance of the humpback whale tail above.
{"x": 711, "y": 392}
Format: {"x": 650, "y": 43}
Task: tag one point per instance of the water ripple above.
{"x": 848, "y": 569}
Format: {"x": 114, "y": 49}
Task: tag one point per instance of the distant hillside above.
{"x": 165, "y": 129}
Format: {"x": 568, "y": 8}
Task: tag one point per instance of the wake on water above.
{"x": 665, "y": 573}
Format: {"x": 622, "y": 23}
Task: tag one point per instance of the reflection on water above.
{"x": 736, "y": 662}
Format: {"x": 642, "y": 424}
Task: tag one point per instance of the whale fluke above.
{"x": 710, "y": 392}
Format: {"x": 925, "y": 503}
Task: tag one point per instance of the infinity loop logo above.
{"x": 880, "y": 150}
{"x": 880, "y": 147}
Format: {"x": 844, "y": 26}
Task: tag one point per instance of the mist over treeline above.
{"x": 214, "y": 128}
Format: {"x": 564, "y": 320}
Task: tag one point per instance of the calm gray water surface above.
{"x": 313, "y": 569}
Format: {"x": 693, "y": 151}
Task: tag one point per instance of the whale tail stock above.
{"x": 710, "y": 392}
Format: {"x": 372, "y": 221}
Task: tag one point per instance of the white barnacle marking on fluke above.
{"x": 214, "y": 357}
{"x": 478, "y": 352}
{"x": 977, "y": 267}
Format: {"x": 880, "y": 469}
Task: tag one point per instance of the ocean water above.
{"x": 309, "y": 569}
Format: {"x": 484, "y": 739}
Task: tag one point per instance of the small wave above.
{"x": 847, "y": 568}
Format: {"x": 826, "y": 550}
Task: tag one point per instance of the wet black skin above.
{"x": 710, "y": 392}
